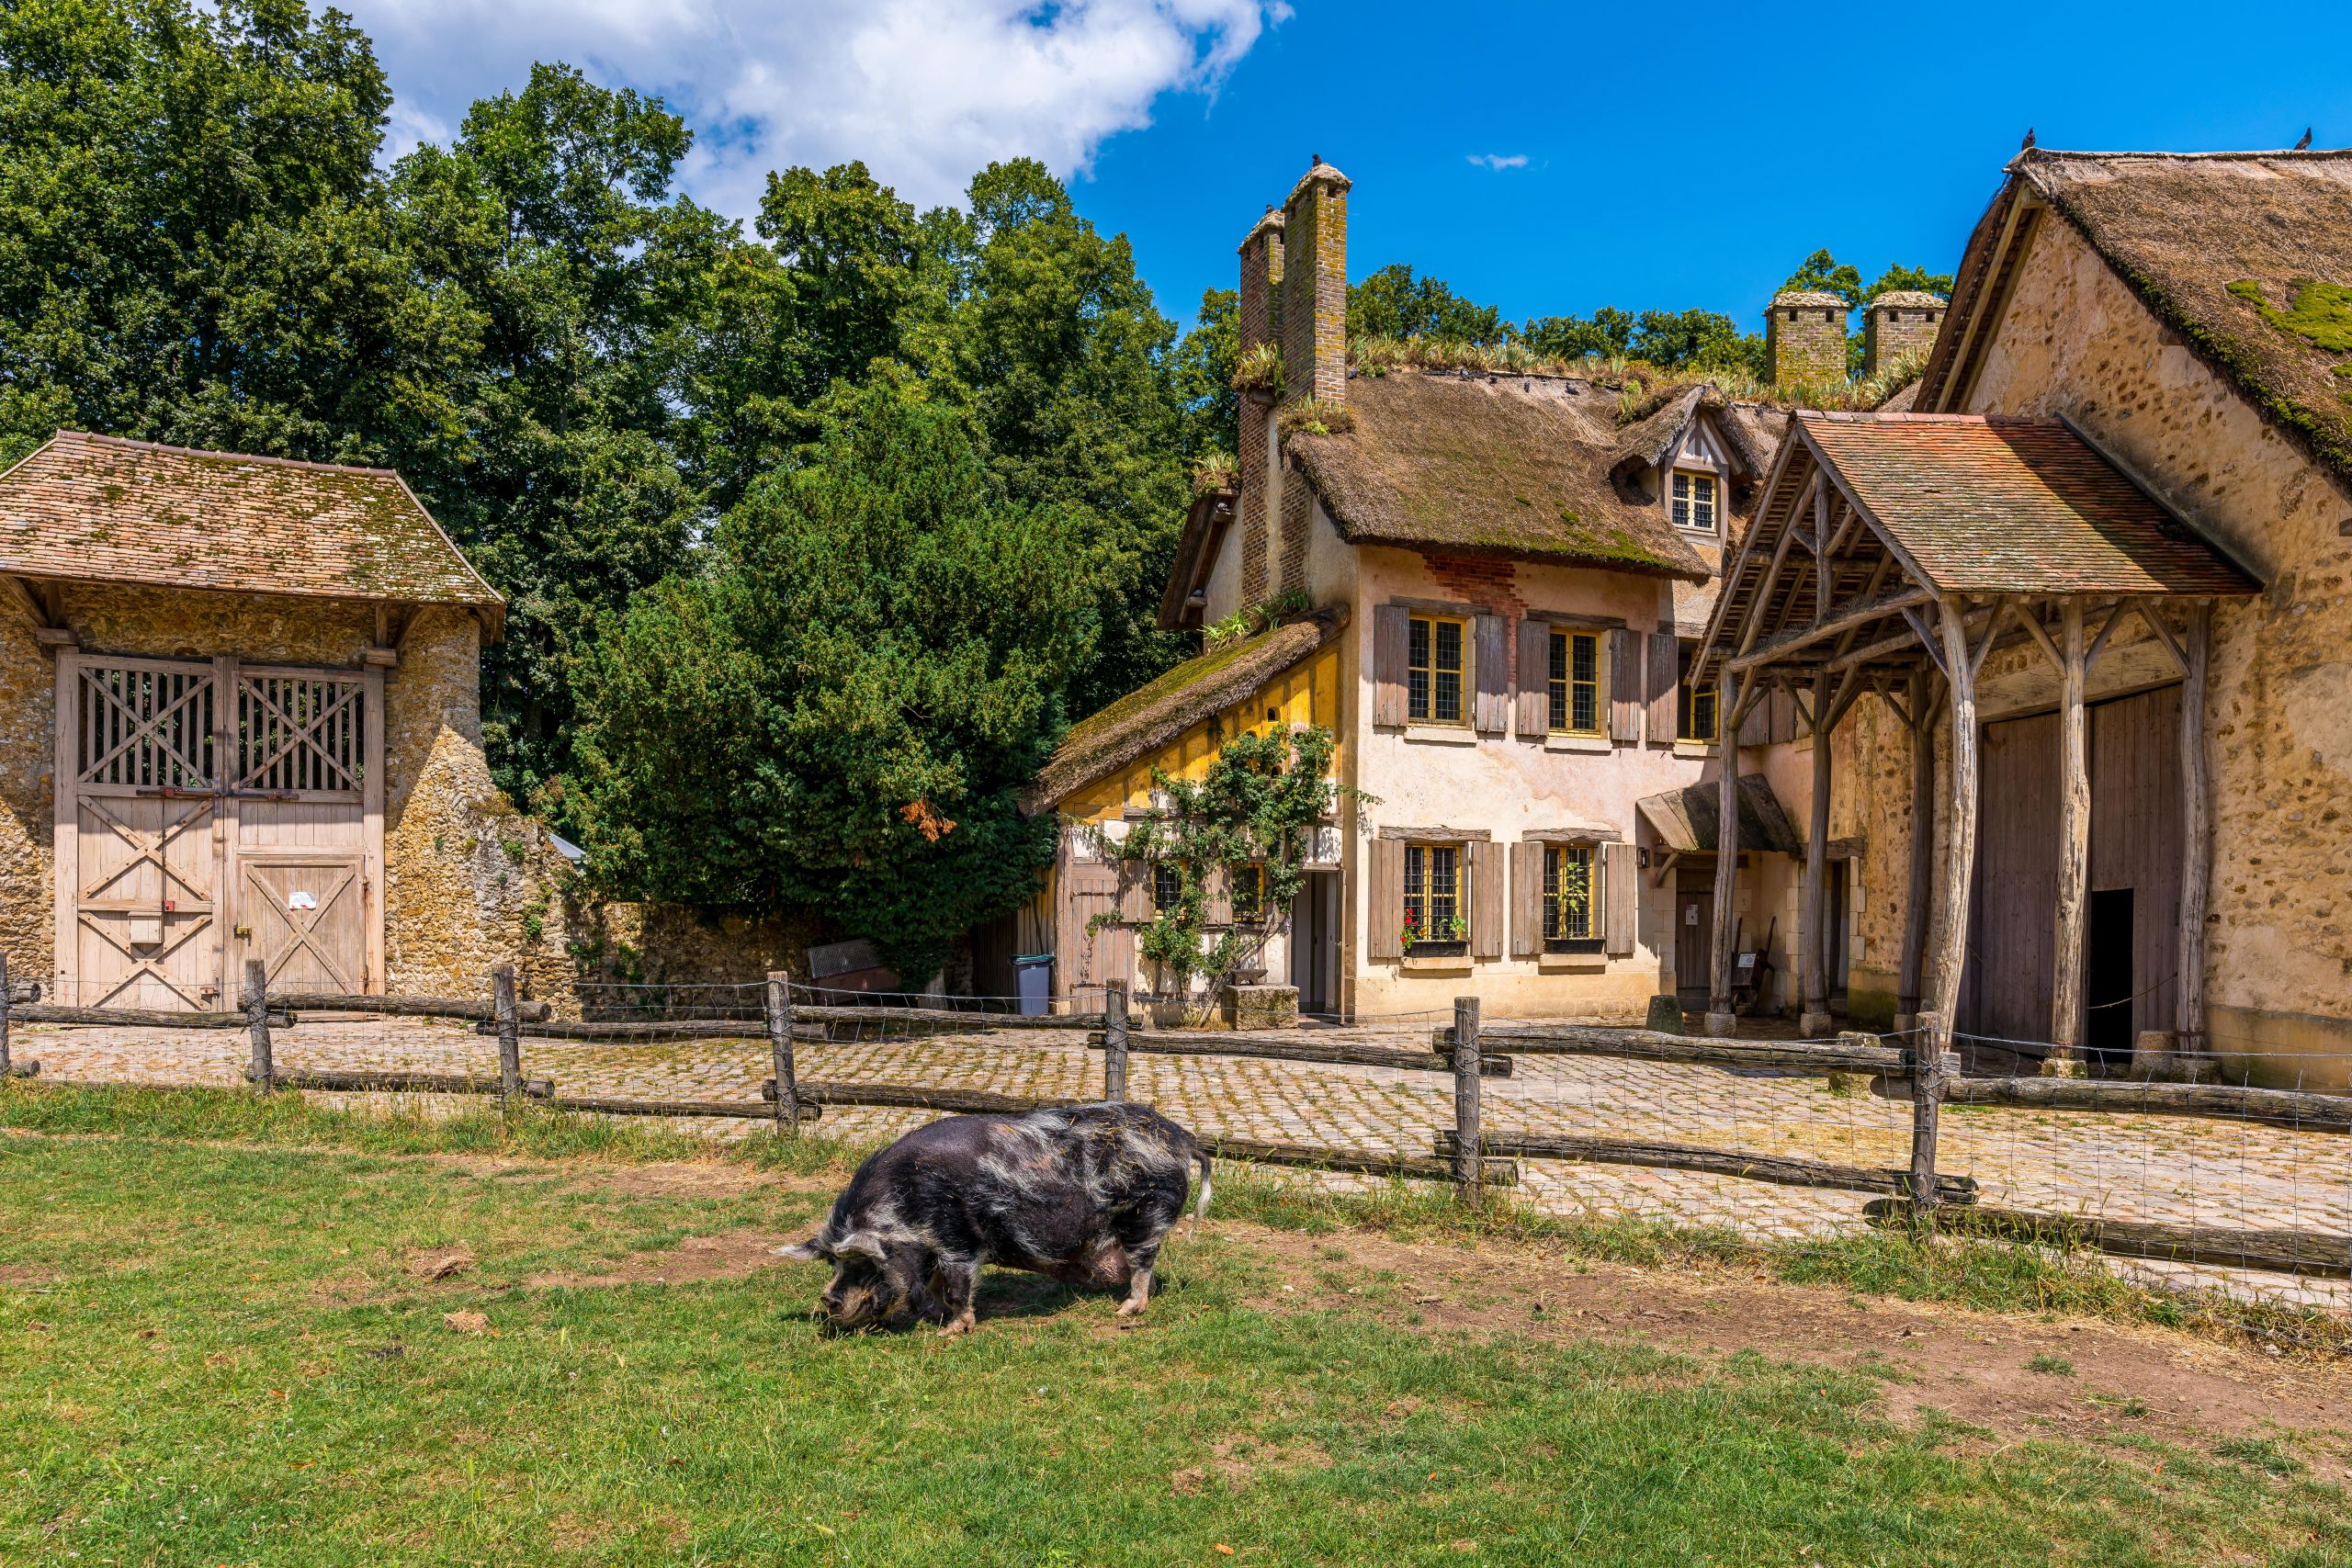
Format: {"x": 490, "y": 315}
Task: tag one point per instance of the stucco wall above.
{"x": 2078, "y": 340}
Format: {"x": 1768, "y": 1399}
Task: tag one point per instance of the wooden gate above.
{"x": 208, "y": 813}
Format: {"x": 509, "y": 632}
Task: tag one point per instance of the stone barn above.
{"x": 239, "y": 719}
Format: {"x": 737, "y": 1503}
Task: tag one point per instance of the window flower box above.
{"x": 1573, "y": 944}
{"x": 1458, "y": 948}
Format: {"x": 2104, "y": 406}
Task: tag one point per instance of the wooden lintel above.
{"x": 56, "y": 636}
{"x": 380, "y": 658}
{"x": 1853, "y": 618}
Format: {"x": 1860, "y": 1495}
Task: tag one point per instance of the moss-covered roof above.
{"x": 1151, "y": 716}
{"x": 2247, "y": 255}
{"x": 1490, "y": 465}
{"x": 97, "y": 508}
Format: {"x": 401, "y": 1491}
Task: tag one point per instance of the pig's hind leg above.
{"x": 956, "y": 1283}
{"x": 1140, "y": 1259}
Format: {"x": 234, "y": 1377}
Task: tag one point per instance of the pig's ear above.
{"x": 801, "y": 1252}
{"x": 860, "y": 1244}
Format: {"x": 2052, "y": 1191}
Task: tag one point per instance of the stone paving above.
{"x": 2179, "y": 1170}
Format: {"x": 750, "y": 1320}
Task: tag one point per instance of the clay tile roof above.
{"x": 2247, "y": 255}
{"x": 1484, "y": 464}
{"x": 1151, "y": 716}
{"x": 1908, "y": 300}
{"x": 95, "y": 508}
{"x": 1993, "y": 506}
{"x": 1806, "y": 297}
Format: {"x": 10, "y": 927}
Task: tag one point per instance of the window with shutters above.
{"x": 1577, "y": 706}
{"x": 1435, "y": 664}
{"x": 1694, "y": 502}
{"x": 1571, "y": 899}
{"x": 1247, "y": 900}
{"x": 1695, "y": 707}
{"x": 1167, "y": 887}
{"x": 1434, "y": 909}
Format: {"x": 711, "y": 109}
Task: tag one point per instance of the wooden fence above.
{"x": 1466, "y": 1154}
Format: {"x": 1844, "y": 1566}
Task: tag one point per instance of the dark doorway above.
{"x": 1835, "y": 930}
{"x": 1315, "y": 943}
{"x": 2109, "y": 982}
{"x": 1694, "y": 949}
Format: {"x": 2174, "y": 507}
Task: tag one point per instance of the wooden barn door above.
{"x": 207, "y": 812}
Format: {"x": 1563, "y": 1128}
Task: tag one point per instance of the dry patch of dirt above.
{"x": 728, "y": 1255}
{"x": 440, "y": 1262}
{"x": 1971, "y": 1367}
{"x": 1233, "y": 1463}
{"x": 28, "y": 1276}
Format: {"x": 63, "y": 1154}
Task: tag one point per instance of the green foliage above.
{"x": 841, "y": 711}
{"x": 1393, "y": 303}
{"x": 1821, "y": 273}
{"x": 2320, "y": 312}
{"x": 1898, "y": 277}
{"x": 1207, "y": 372}
{"x": 1258, "y": 803}
{"x": 1259, "y": 368}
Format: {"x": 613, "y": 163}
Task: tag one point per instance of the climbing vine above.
{"x": 1258, "y": 806}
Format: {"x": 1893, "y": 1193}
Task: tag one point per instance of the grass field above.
{"x": 217, "y": 1345}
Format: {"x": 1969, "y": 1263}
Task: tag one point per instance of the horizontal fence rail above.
{"x": 2288, "y": 1252}
{"x": 2276, "y": 1107}
{"x": 138, "y": 1017}
{"x": 462, "y": 1008}
{"x": 1786, "y": 1170}
{"x": 1353, "y": 1053}
{"x": 1651, "y": 1045}
{"x": 392, "y": 1081}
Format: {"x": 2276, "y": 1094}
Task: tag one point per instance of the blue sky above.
{"x": 1686, "y": 155}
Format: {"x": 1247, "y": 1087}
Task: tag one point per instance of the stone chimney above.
{"x": 1900, "y": 324}
{"x": 1313, "y": 308}
{"x": 1805, "y": 340}
{"x": 1259, "y": 322}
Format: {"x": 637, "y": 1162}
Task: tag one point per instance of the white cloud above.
{"x": 924, "y": 91}
{"x": 1499, "y": 161}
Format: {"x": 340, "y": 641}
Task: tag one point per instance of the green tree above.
{"x": 1607, "y": 333}
{"x": 841, "y": 711}
{"x": 1205, "y": 360}
{"x": 1821, "y": 273}
{"x": 1393, "y": 303}
{"x": 1696, "y": 339}
{"x": 1920, "y": 279}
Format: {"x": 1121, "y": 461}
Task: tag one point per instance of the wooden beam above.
{"x": 1821, "y": 585}
{"x": 2197, "y": 827}
{"x": 1720, "y": 1019}
{"x": 2032, "y": 623}
{"x": 17, "y": 593}
{"x": 1992, "y": 634}
{"x": 2303, "y": 1110}
{"x": 1666, "y": 864}
{"x": 2115, "y": 613}
{"x": 1812, "y": 912}
{"x": 2296, "y": 1252}
{"x": 2074, "y": 849}
{"x": 1786, "y": 1170}
{"x": 2162, "y": 633}
{"x": 1926, "y": 635}
{"x": 1850, "y": 692}
{"x": 1921, "y": 884}
{"x": 1853, "y": 617}
{"x": 1960, "y": 857}
{"x": 1648, "y": 1045}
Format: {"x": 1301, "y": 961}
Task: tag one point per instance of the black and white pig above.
{"x": 1085, "y": 1194}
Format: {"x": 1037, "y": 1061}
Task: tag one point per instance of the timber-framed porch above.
{"x": 1891, "y": 555}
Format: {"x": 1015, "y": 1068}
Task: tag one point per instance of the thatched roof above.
{"x": 1151, "y": 716}
{"x": 1648, "y": 441}
{"x": 2247, "y": 255}
{"x": 1688, "y": 820}
{"x": 98, "y": 508}
{"x": 1514, "y": 466}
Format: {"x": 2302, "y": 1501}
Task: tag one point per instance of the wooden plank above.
{"x": 1486, "y": 867}
{"x": 2293, "y": 1252}
{"x": 2301, "y": 1110}
{"x": 1664, "y": 675}
{"x": 966, "y": 1102}
{"x": 1526, "y": 898}
{"x": 742, "y": 1110}
{"x": 1620, "y": 898}
{"x": 66, "y": 829}
{"x": 1851, "y": 618}
{"x": 392, "y": 1081}
{"x": 371, "y": 810}
{"x": 951, "y": 1016}
{"x": 1785, "y": 1170}
{"x": 1291, "y": 1047}
{"x": 1624, "y": 685}
{"x": 1648, "y": 1045}
{"x": 139, "y": 1018}
{"x": 1387, "y": 915}
{"x": 1497, "y": 1172}
{"x": 1534, "y": 678}
{"x": 756, "y": 1028}
{"x": 1390, "y": 632}
{"x": 473, "y": 1009}
{"x": 1490, "y": 672}
{"x": 1114, "y": 1042}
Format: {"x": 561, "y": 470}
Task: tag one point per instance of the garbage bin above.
{"x": 1033, "y": 972}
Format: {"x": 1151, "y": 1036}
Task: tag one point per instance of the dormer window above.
{"x": 1694, "y": 502}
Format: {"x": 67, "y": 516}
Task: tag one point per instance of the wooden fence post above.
{"x": 7, "y": 1000}
{"x": 1115, "y": 1041}
{"x": 263, "y": 1070}
{"x": 510, "y": 1034}
{"x": 787, "y": 1088}
{"x": 1469, "y": 1166}
{"x": 1931, "y": 1064}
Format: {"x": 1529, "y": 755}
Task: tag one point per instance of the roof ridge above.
{"x": 126, "y": 442}
{"x": 2045, "y": 154}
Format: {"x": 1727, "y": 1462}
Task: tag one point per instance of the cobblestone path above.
{"x": 2176, "y": 1169}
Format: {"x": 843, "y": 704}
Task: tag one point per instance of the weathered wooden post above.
{"x": 263, "y": 1070}
{"x": 1815, "y": 1022}
{"x": 2065, "y": 1059}
{"x": 1931, "y": 1067}
{"x": 7, "y": 999}
{"x": 1920, "y": 895}
{"x": 779, "y": 1012}
{"x": 2197, "y": 831}
{"x": 510, "y": 1032}
{"x": 1469, "y": 1166}
{"x": 1960, "y": 855}
{"x": 1721, "y": 1021}
{"x": 1115, "y": 1041}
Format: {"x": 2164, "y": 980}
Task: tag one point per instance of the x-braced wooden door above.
{"x": 208, "y": 813}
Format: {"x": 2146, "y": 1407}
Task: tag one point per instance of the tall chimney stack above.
{"x": 1805, "y": 340}
{"x": 1900, "y": 324}
{"x": 1259, "y": 314}
{"x": 1314, "y": 286}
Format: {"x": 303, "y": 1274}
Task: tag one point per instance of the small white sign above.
{"x": 1689, "y": 914}
{"x": 298, "y": 899}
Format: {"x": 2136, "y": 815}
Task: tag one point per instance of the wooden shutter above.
{"x": 1493, "y": 674}
{"x": 1134, "y": 891}
{"x": 1485, "y": 863}
{"x": 1665, "y": 670}
{"x": 1624, "y": 685}
{"x": 1217, "y": 882}
{"x": 1620, "y": 896}
{"x": 1756, "y": 729}
{"x": 1534, "y": 678}
{"x": 1526, "y": 899}
{"x": 1784, "y": 714}
{"x": 1387, "y": 914}
{"x": 1389, "y": 633}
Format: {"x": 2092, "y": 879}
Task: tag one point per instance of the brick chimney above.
{"x": 1805, "y": 340}
{"x": 1900, "y": 324}
{"x": 1259, "y": 320}
{"x": 1314, "y": 286}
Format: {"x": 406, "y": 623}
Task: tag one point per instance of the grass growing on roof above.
{"x": 218, "y": 1353}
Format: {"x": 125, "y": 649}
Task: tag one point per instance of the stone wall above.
{"x": 1898, "y": 327}
{"x": 1805, "y": 340}
{"x": 1315, "y": 287}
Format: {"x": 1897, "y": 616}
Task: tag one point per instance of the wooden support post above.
{"x": 2066, "y": 1058}
{"x": 1921, "y": 886}
{"x": 7, "y": 999}
{"x": 1960, "y": 856}
{"x": 1720, "y": 1020}
{"x": 1931, "y": 1067}
{"x": 2197, "y": 830}
{"x": 1469, "y": 1164}
{"x": 1115, "y": 1041}
{"x": 264, "y": 1069}
{"x": 787, "y": 1086}
{"x": 510, "y": 1034}
{"x": 1816, "y": 1023}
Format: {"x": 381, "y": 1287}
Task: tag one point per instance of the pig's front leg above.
{"x": 1139, "y": 1282}
{"x": 957, "y": 1280}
